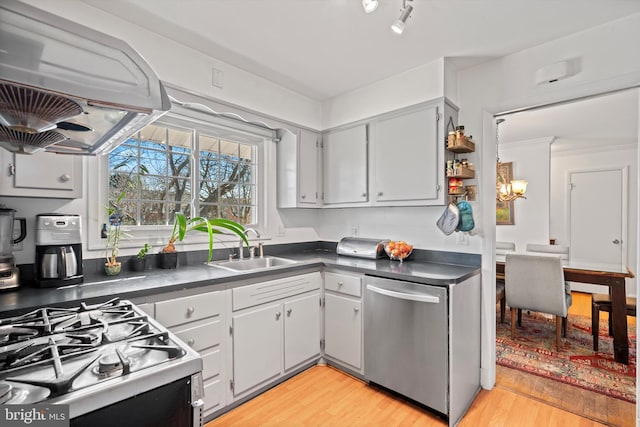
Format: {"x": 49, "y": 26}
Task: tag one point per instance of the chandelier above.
{"x": 511, "y": 190}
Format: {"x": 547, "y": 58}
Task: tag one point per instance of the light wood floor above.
{"x": 324, "y": 396}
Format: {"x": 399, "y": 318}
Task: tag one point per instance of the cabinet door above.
{"x": 406, "y": 157}
{"x": 301, "y": 330}
{"x": 345, "y": 166}
{"x": 257, "y": 347}
{"x": 308, "y": 160}
{"x": 343, "y": 330}
{"x": 41, "y": 175}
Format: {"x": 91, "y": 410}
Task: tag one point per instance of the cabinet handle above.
{"x": 364, "y": 194}
{"x": 340, "y": 284}
{"x": 289, "y": 312}
{"x": 303, "y": 196}
{"x": 190, "y": 311}
{"x": 278, "y": 315}
{"x": 356, "y": 309}
{"x": 12, "y": 169}
{"x": 191, "y": 341}
{"x": 379, "y": 193}
{"x": 65, "y": 177}
{"x": 616, "y": 241}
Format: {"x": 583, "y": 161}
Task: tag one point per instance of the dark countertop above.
{"x": 130, "y": 285}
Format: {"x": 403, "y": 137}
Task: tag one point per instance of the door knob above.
{"x": 616, "y": 241}
{"x": 278, "y": 314}
{"x": 289, "y": 312}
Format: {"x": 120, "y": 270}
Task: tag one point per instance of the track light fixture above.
{"x": 399, "y": 24}
{"x": 369, "y": 5}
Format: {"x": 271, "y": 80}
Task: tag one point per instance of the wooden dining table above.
{"x": 612, "y": 276}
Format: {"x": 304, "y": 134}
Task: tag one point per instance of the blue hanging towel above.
{"x": 466, "y": 216}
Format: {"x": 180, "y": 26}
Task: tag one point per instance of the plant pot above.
{"x": 112, "y": 270}
{"x": 138, "y": 264}
{"x": 168, "y": 259}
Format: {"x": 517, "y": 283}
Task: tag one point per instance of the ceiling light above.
{"x": 398, "y": 25}
{"x": 369, "y": 5}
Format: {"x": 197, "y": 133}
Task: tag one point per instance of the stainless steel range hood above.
{"x": 68, "y": 89}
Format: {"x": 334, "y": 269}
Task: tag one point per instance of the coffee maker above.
{"x": 9, "y": 274}
{"x": 58, "y": 250}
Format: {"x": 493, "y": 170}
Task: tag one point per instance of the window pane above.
{"x": 153, "y": 188}
{"x": 209, "y": 143}
{"x": 180, "y": 190}
{"x": 179, "y": 164}
{"x": 154, "y": 161}
{"x": 153, "y": 213}
{"x": 209, "y": 211}
{"x": 208, "y": 191}
{"x": 209, "y": 165}
{"x": 180, "y": 140}
{"x": 246, "y": 152}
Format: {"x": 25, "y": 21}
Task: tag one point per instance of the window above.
{"x": 181, "y": 166}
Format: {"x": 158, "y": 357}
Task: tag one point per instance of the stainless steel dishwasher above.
{"x": 406, "y": 339}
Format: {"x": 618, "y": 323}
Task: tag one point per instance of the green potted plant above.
{"x": 181, "y": 226}
{"x": 139, "y": 262}
{"x": 112, "y": 266}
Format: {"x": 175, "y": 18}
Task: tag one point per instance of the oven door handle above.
{"x": 401, "y": 295}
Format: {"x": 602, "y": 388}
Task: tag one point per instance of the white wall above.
{"x": 189, "y": 68}
{"x": 531, "y": 222}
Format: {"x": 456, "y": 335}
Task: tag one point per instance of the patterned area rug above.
{"x": 534, "y": 351}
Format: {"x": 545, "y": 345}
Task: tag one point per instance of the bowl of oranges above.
{"x": 399, "y": 250}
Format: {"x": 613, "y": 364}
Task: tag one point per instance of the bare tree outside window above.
{"x": 159, "y": 159}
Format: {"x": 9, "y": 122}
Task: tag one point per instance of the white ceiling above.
{"x": 603, "y": 120}
{"x": 323, "y": 48}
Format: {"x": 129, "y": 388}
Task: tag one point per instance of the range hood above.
{"x": 68, "y": 89}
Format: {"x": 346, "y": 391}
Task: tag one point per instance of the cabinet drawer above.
{"x": 211, "y": 364}
{"x": 200, "y": 335}
{"x": 272, "y": 290}
{"x": 187, "y": 309}
{"x": 213, "y": 396}
{"x": 343, "y": 283}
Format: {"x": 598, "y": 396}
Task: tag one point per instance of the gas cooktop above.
{"x": 81, "y": 355}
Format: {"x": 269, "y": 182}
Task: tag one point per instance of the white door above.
{"x": 345, "y": 166}
{"x": 257, "y": 347}
{"x": 406, "y": 157}
{"x": 343, "y": 329}
{"x": 597, "y": 212}
{"x": 301, "y": 330}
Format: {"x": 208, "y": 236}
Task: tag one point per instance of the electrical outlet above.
{"x": 216, "y": 77}
{"x": 462, "y": 238}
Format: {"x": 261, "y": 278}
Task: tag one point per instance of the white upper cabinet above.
{"x": 406, "y": 157}
{"x": 308, "y": 162}
{"x": 345, "y": 166}
{"x": 40, "y": 175}
{"x": 299, "y": 181}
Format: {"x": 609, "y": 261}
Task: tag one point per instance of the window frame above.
{"x": 199, "y": 121}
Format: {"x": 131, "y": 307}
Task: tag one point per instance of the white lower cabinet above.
{"x": 257, "y": 347}
{"x": 301, "y": 330}
{"x": 270, "y": 339}
{"x": 343, "y": 319}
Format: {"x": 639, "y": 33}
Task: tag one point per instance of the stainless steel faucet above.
{"x": 246, "y": 233}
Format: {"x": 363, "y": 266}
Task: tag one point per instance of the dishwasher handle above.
{"x": 401, "y": 295}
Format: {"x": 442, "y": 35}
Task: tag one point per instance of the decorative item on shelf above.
{"x": 139, "y": 262}
{"x": 181, "y": 226}
{"x": 507, "y": 190}
{"x": 398, "y": 251}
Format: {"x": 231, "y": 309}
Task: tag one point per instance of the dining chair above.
{"x": 502, "y": 248}
{"x": 602, "y": 302}
{"x": 561, "y": 251}
{"x": 536, "y": 283}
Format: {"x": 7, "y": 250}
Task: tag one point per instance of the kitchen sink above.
{"x": 253, "y": 264}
